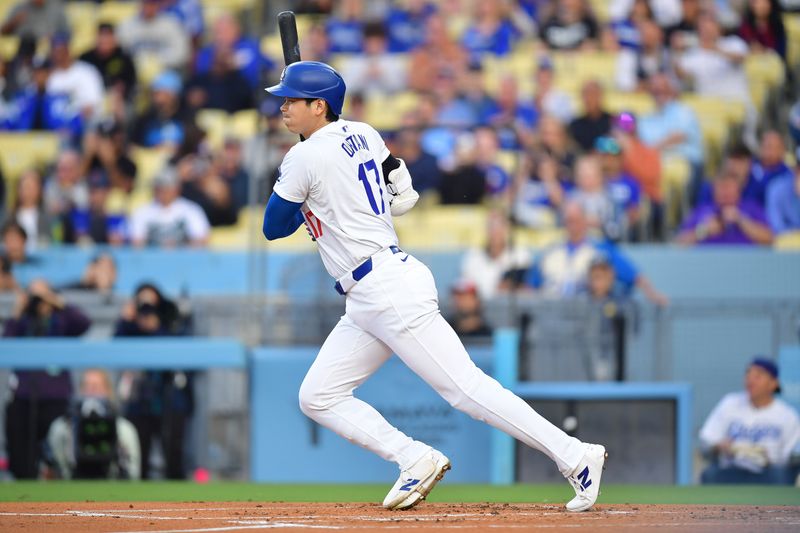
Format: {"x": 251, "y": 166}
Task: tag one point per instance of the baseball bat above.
{"x": 287, "y": 27}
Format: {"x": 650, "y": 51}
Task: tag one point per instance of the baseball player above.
{"x": 345, "y": 186}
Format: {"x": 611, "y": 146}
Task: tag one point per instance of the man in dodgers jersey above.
{"x": 343, "y": 183}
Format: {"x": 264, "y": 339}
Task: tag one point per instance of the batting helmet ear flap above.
{"x": 311, "y": 79}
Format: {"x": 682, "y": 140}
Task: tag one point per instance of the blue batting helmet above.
{"x": 311, "y": 79}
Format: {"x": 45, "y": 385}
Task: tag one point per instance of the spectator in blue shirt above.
{"x": 498, "y": 182}
{"x": 783, "y": 201}
{"x": 491, "y": 32}
{"x": 622, "y": 188}
{"x": 406, "y": 25}
{"x": 345, "y": 29}
{"x": 562, "y": 269}
{"x": 163, "y": 123}
{"x": 34, "y": 108}
{"x": 514, "y": 120}
{"x": 190, "y": 15}
{"x": 247, "y": 56}
{"x": 626, "y": 30}
{"x": 768, "y": 167}
{"x": 422, "y": 165}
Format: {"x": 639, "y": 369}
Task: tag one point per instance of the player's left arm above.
{"x": 281, "y": 217}
{"x": 398, "y": 183}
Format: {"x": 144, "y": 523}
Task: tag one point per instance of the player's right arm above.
{"x": 283, "y": 216}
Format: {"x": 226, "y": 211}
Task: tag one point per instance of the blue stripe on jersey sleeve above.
{"x": 281, "y": 217}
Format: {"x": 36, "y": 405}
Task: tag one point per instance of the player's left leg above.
{"x": 400, "y": 306}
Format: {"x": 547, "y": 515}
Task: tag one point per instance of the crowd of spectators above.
{"x": 144, "y": 82}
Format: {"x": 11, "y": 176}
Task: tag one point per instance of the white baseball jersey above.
{"x": 776, "y": 427}
{"x": 337, "y": 175}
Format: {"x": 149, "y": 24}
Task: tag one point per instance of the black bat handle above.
{"x": 287, "y": 26}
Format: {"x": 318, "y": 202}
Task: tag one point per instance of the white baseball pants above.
{"x": 395, "y": 308}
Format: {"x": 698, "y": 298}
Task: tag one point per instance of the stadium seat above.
{"x": 215, "y": 123}
{"x": 8, "y": 46}
{"x": 83, "y": 25}
{"x": 22, "y": 150}
{"x": 585, "y": 66}
{"x": 537, "y": 238}
{"x": 386, "y": 112}
{"x": 791, "y": 22}
{"x": 507, "y": 160}
{"x": 675, "y": 175}
{"x": 788, "y": 241}
{"x": 244, "y": 124}
{"x": 704, "y": 106}
{"x": 148, "y": 162}
{"x": 637, "y": 103}
{"x": 117, "y": 12}
{"x": 600, "y": 8}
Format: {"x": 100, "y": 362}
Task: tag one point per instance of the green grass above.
{"x": 78, "y": 491}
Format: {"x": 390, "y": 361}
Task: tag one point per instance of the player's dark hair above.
{"x": 330, "y": 116}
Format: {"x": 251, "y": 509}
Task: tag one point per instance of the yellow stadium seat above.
{"x": 117, "y": 12}
{"x": 21, "y": 151}
{"x": 8, "y": 46}
{"x": 767, "y": 67}
{"x": 600, "y": 8}
{"x": 538, "y": 238}
{"x": 581, "y": 67}
{"x": 117, "y": 201}
{"x": 215, "y": 123}
{"x": 149, "y": 161}
{"x": 271, "y": 46}
{"x": 637, "y": 103}
{"x": 705, "y": 106}
{"x": 386, "y": 112}
{"x": 139, "y": 197}
{"x": 507, "y": 160}
{"x": 244, "y": 124}
{"x": 675, "y": 175}
{"x": 147, "y": 68}
{"x": 791, "y": 22}
{"x": 788, "y": 241}
{"x": 5, "y": 7}
{"x": 448, "y": 227}
{"x": 228, "y": 238}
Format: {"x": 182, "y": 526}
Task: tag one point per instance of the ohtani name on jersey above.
{"x": 354, "y": 143}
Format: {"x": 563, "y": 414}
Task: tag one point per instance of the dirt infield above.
{"x": 238, "y": 516}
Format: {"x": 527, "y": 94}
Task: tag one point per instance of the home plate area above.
{"x": 238, "y": 516}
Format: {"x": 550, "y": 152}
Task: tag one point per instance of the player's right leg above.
{"x": 347, "y": 358}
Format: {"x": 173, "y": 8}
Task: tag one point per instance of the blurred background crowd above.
{"x": 564, "y": 125}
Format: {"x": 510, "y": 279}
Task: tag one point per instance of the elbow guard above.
{"x": 398, "y": 183}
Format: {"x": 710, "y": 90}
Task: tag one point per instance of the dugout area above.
{"x": 189, "y": 507}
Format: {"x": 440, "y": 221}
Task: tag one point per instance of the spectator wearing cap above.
{"x": 634, "y": 67}
{"x": 406, "y": 24}
{"x": 77, "y": 79}
{"x": 169, "y": 221}
{"x": 163, "y": 123}
{"x": 547, "y": 99}
{"x": 749, "y": 436}
{"x": 375, "y": 71}
{"x": 39, "y": 18}
{"x": 486, "y": 267}
{"x": 783, "y": 201}
{"x": 595, "y": 121}
{"x": 114, "y": 64}
{"x": 561, "y": 270}
{"x": 491, "y": 32}
{"x": 570, "y": 26}
{"x": 35, "y": 108}
{"x": 467, "y": 317}
{"x": 729, "y": 220}
{"x": 106, "y": 156}
{"x": 153, "y": 34}
{"x": 345, "y": 28}
{"x": 95, "y": 225}
{"x": 245, "y": 52}
{"x": 624, "y": 191}
{"x": 643, "y": 164}
{"x": 222, "y": 86}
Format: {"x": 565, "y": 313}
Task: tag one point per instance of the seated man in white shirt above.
{"x": 169, "y": 221}
{"x": 750, "y": 435}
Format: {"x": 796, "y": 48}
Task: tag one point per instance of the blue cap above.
{"x": 768, "y": 365}
{"x": 311, "y": 79}
{"x": 607, "y": 145}
{"x": 168, "y": 80}
{"x": 58, "y": 38}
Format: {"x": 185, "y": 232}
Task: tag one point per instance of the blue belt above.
{"x": 363, "y": 269}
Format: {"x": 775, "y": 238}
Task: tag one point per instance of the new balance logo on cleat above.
{"x": 409, "y": 484}
{"x": 584, "y": 479}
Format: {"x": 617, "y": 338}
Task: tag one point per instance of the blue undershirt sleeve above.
{"x": 281, "y": 217}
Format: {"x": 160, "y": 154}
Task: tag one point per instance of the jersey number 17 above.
{"x": 363, "y": 169}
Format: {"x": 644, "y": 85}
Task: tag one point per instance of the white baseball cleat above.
{"x": 585, "y": 479}
{"x": 414, "y": 484}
